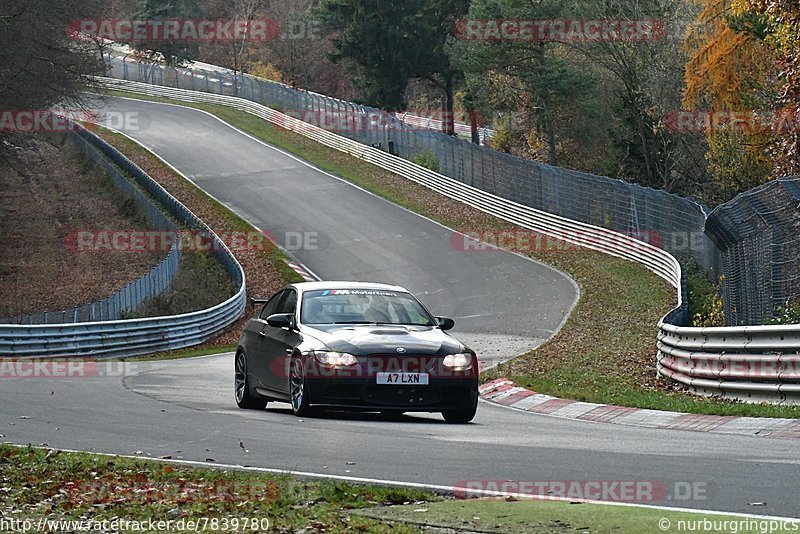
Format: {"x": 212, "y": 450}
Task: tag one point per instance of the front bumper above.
{"x": 367, "y": 394}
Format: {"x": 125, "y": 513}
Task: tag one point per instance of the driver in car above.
{"x": 377, "y": 312}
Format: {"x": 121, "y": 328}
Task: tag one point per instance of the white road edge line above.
{"x": 575, "y": 285}
{"x": 209, "y": 195}
{"x": 415, "y": 485}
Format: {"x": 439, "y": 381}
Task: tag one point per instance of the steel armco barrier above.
{"x": 133, "y": 336}
{"x": 668, "y": 221}
{"x": 750, "y": 363}
{"x": 685, "y": 354}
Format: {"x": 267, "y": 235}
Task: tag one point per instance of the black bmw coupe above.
{"x": 354, "y": 346}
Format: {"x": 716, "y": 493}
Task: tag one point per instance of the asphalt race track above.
{"x": 354, "y": 235}
{"x": 185, "y": 408}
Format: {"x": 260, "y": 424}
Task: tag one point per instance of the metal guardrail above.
{"x": 750, "y": 363}
{"x": 666, "y": 220}
{"x": 430, "y": 123}
{"x": 134, "y": 336}
{"x": 679, "y": 348}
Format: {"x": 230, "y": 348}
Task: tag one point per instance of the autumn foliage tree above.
{"x": 781, "y": 19}
{"x": 731, "y": 69}
{"x": 726, "y": 64}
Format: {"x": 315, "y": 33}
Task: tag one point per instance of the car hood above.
{"x": 361, "y": 340}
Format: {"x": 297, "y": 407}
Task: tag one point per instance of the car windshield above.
{"x": 362, "y": 306}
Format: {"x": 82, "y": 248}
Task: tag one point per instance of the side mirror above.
{"x": 255, "y": 301}
{"x": 281, "y": 320}
{"x": 445, "y": 323}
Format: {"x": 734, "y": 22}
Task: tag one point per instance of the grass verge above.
{"x": 40, "y": 483}
{"x": 604, "y": 353}
{"x": 264, "y": 264}
{"x": 192, "y": 352}
{"x": 46, "y": 484}
{"x": 525, "y": 516}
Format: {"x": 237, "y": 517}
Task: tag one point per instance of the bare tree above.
{"x": 41, "y": 62}
{"x": 302, "y": 51}
{"x": 232, "y": 53}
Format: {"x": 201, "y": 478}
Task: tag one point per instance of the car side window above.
{"x": 289, "y": 303}
{"x": 269, "y": 307}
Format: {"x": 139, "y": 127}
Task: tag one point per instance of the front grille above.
{"x": 402, "y": 395}
{"x": 342, "y": 392}
{"x": 408, "y": 363}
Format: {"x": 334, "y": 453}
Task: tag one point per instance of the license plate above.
{"x": 415, "y": 379}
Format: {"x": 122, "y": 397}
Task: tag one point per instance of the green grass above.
{"x": 527, "y": 516}
{"x": 605, "y": 352}
{"x": 38, "y": 483}
{"x": 41, "y": 483}
{"x": 201, "y": 282}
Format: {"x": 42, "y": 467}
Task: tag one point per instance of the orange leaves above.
{"x": 749, "y": 68}
{"x": 725, "y": 65}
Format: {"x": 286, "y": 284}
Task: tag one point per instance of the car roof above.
{"x": 316, "y": 286}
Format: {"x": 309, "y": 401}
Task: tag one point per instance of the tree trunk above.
{"x": 551, "y": 135}
{"x": 235, "y": 73}
{"x": 448, "y": 125}
{"x": 473, "y": 126}
{"x": 547, "y": 122}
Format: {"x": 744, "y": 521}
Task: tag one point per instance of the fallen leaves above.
{"x": 263, "y": 278}
{"x": 50, "y": 197}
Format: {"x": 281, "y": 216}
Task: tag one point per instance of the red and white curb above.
{"x": 506, "y": 393}
{"x": 300, "y": 269}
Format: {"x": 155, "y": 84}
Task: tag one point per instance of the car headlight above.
{"x": 335, "y": 359}
{"x": 458, "y": 362}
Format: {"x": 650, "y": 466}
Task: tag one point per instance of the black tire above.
{"x": 298, "y": 388}
{"x": 461, "y": 416}
{"x": 241, "y": 383}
